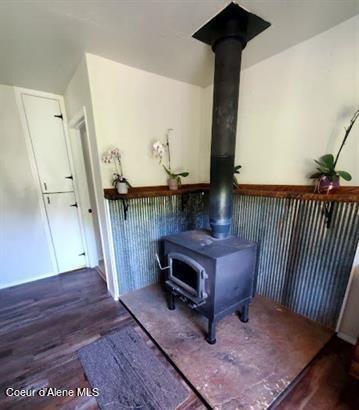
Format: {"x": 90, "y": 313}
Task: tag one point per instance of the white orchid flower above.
{"x": 115, "y": 152}
{"x": 106, "y": 158}
{"x": 158, "y": 150}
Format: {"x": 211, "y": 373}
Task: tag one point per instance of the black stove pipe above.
{"x": 224, "y": 128}
{"x": 227, "y": 33}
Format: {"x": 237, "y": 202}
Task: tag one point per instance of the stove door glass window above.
{"x": 186, "y": 274}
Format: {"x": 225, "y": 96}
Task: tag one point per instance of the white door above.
{"x": 48, "y": 142}
{"x": 46, "y": 130}
{"x": 64, "y": 225}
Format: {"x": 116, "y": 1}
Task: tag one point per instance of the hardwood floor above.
{"x": 326, "y": 383}
{"x": 43, "y": 324}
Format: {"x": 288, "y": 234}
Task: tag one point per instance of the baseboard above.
{"x": 347, "y": 338}
{"x": 23, "y": 282}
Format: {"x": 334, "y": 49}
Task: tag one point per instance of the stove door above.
{"x": 188, "y": 274}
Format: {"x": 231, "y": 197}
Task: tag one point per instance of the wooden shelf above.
{"x": 154, "y": 191}
{"x": 305, "y": 192}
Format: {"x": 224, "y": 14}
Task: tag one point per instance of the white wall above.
{"x": 78, "y": 97}
{"x": 133, "y": 108}
{"x": 24, "y": 252}
{"x": 293, "y": 108}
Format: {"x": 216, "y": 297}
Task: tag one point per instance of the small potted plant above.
{"x": 159, "y": 149}
{"x": 121, "y": 183}
{"x": 113, "y": 155}
{"x": 327, "y": 176}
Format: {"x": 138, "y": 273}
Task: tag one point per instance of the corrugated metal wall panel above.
{"x": 136, "y": 240}
{"x": 302, "y": 265}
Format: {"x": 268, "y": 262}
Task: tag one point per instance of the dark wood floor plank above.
{"x": 42, "y": 326}
{"x": 325, "y": 384}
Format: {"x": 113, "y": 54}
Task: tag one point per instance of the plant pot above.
{"x": 172, "y": 184}
{"x": 122, "y": 188}
{"x": 325, "y": 185}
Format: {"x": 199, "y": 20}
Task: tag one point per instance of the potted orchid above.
{"x": 159, "y": 150}
{"x": 113, "y": 156}
{"x": 327, "y": 176}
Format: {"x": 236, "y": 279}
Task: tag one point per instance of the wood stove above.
{"x": 211, "y": 271}
{"x": 214, "y": 276}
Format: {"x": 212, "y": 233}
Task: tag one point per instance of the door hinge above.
{"x": 75, "y": 205}
{"x": 59, "y": 116}
{"x": 82, "y": 254}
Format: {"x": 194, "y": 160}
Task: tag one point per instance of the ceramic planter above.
{"x": 325, "y": 185}
{"x": 172, "y": 184}
{"x": 122, "y": 188}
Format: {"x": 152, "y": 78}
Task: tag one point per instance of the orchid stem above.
{"x": 347, "y": 131}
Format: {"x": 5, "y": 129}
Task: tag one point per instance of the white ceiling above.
{"x": 41, "y": 42}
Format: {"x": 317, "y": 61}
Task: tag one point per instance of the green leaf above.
{"x": 237, "y": 168}
{"x": 322, "y": 165}
{"x": 327, "y": 160}
{"x": 169, "y": 173}
{"x": 345, "y": 175}
{"x": 183, "y": 174}
{"x": 180, "y": 174}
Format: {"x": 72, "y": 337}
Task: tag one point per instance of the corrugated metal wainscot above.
{"x": 137, "y": 239}
{"x": 302, "y": 264}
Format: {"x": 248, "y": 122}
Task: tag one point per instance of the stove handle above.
{"x": 159, "y": 263}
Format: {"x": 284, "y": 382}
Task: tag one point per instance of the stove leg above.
{"x": 244, "y": 313}
{"x": 211, "y": 337}
{"x": 171, "y": 301}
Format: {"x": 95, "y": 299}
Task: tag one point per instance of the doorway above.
{"x": 83, "y": 169}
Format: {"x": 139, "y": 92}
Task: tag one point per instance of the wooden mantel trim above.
{"x": 305, "y": 192}
{"x": 154, "y": 191}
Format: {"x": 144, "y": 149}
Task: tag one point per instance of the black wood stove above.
{"x": 212, "y": 271}
{"x": 214, "y": 276}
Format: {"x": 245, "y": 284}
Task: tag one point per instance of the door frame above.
{"x": 102, "y": 204}
{"x": 74, "y": 132}
{"x": 19, "y": 92}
